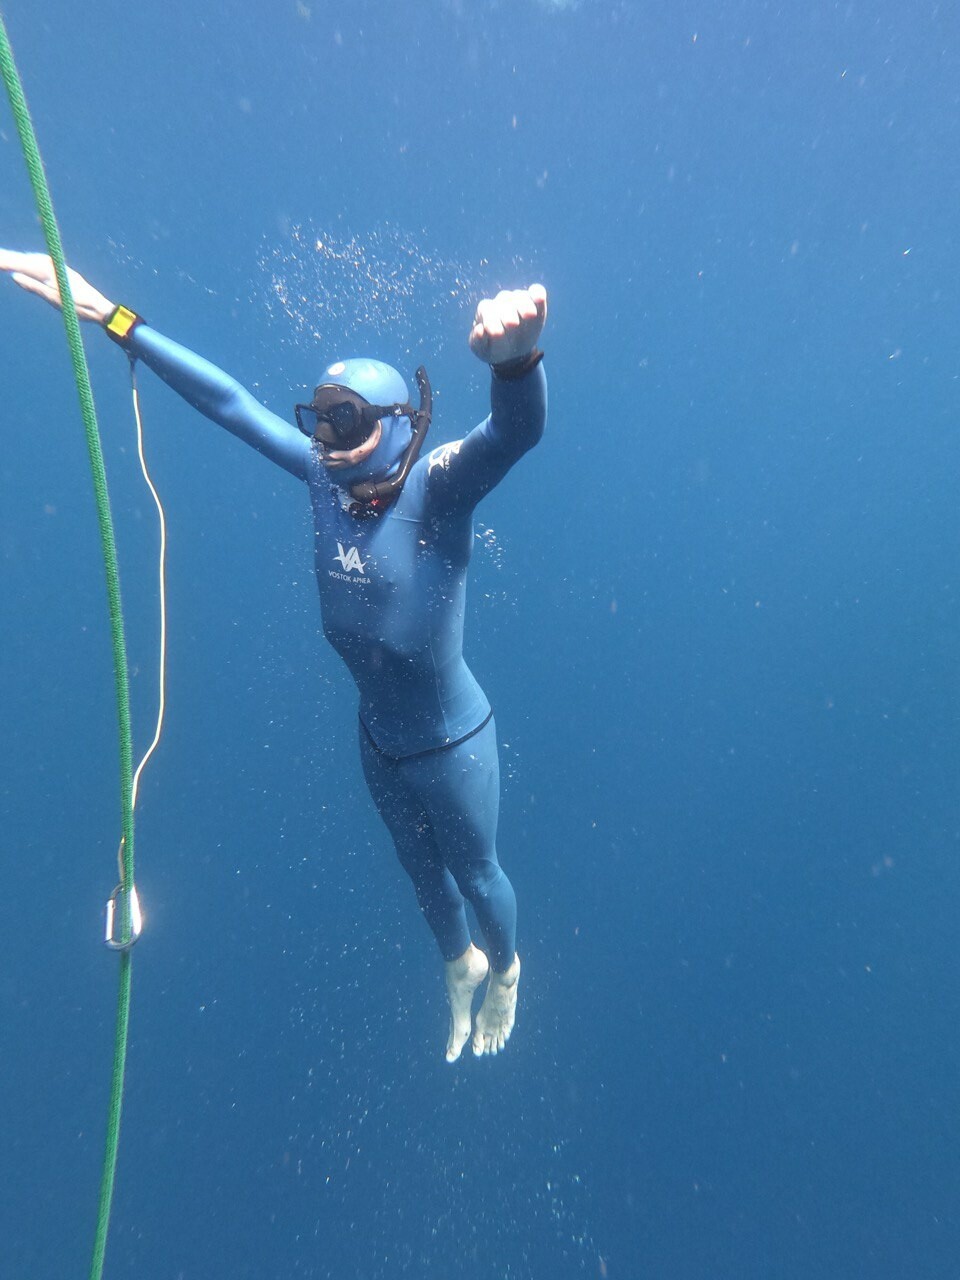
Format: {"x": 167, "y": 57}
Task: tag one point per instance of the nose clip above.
{"x": 114, "y": 918}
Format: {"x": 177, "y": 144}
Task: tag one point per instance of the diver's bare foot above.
{"x": 464, "y": 975}
{"x": 498, "y": 1011}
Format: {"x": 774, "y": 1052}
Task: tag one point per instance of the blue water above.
{"x": 716, "y": 612}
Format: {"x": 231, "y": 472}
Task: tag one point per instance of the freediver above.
{"x": 393, "y": 535}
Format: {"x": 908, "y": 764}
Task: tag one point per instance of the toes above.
{"x": 487, "y": 1043}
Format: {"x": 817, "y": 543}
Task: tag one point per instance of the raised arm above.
{"x": 222, "y": 399}
{"x": 210, "y": 390}
{"x": 504, "y": 335}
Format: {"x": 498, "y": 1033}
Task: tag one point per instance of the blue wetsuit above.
{"x": 392, "y": 591}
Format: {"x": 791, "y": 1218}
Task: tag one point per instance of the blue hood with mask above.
{"x": 378, "y": 383}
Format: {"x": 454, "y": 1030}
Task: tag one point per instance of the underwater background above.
{"x": 715, "y": 610}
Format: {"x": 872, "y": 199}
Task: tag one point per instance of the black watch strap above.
{"x": 510, "y": 370}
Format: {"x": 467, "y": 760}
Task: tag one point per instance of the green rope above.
{"x": 41, "y": 192}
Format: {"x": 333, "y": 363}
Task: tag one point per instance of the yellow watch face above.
{"x": 122, "y": 321}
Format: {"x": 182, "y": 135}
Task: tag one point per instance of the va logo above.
{"x": 440, "y": 457}
{"x": 349, "y": 559}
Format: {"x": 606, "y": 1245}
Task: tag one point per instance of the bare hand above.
{"x": 34, "y": 272}
{"x": 508, "y": 326}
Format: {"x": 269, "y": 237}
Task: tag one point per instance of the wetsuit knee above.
{"x": 479, "y": 881}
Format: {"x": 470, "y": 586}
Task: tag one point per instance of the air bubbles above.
{"x": 488, "y": 540}
{"x": 331, "y": 287}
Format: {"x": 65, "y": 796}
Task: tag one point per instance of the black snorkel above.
{"x": 376, "y": 496}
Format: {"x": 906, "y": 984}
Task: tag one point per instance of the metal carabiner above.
{"x": 111, "y": 916}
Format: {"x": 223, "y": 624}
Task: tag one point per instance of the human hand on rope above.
{"x": 34, "y": 272}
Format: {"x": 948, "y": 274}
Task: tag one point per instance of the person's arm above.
{"x": 222, "y": 399}
{"x": 504, "y": 335}
{"x": 459, "y": 475}
{"x": 201, "y": 384}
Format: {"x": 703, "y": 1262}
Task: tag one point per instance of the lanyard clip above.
{"x": 115, "y": 918}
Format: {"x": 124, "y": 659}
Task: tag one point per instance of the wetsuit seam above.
{"x": 427, "y": 751}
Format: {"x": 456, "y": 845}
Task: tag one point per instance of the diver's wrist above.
{"x": 519, "y": 367}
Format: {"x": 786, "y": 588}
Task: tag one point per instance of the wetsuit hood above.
{"x": 380, "y": 384}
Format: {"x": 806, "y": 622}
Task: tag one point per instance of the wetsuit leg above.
{"x": 408, "y": 823}
{"x": 458, "y": 789}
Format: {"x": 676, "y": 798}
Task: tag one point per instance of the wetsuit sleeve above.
{"x": 222, "y": 399}
{"x": 460, "y": 474}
